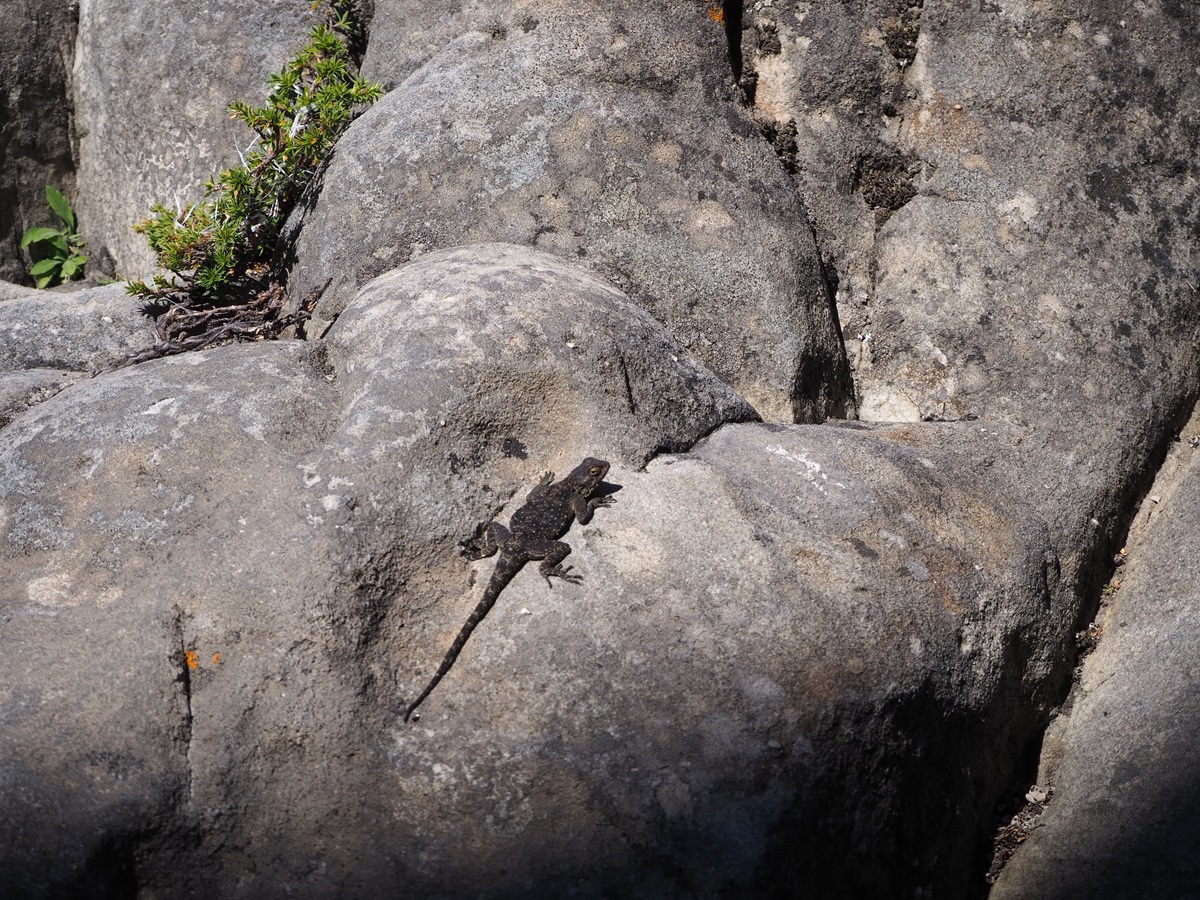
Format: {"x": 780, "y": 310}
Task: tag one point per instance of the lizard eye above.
{"x": 594, "y": 470}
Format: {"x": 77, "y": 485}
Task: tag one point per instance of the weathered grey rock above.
{"x": 36, "y": 47}
{"x": 21, "y": 390}
{"x": 764, "y": 628}
{"x": 1039, "y": 271}
{"x": 731, "y": 678}
{"x": 780, "y": 639}
{"x": 405, "y": 36}
{"x": 82, "y": 331}
{"x": 9, "y": 291}
{"x": 146, "y": 514}
{"x": 49, "y": 340}
{"x": 503, "y": 345}
{"x": 151, "y": 85}
{"x": 825, "y": 86}
{"x": 226, "y": 573}
{"x": 1043, "y": 258}
{"x": 1125, "y": 811}
{"x": 1007, "y": 215}
{"x": 610, "y": 138}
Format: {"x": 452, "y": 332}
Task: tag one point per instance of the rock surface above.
{"x": 256, "y": 546}
{"x": 145, "y": 513}
{"x": 151, "y": 85}
{"x": 1015, "y": 241}
{"x": 805, "y": 660}
{"x": 609, "y": 138}
{"x": 543, "y": 357}
{"x": 49, "y": 340}
{"x": 1012, "y": 236}
{"x": 1121, "y": 761}
{"x": 1009, "y": 195}
{"x": 36, "y": 46}
{"x": 406, "y": 35}
{"x": 81, "y": 330}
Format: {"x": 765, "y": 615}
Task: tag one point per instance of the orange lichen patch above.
{"x": 189, "y": 657}
{"x": 216, "y": 660}
{"x": 717, "y": 14}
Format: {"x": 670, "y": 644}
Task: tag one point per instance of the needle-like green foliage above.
{"x": 234, "y": 227}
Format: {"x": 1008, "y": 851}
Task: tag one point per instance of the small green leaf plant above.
{"x": 218, "y": 250}
{"x": 58, "y": 252}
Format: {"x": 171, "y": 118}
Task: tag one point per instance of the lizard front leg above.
{"x": 583, "y": 507}
{"x": 540, "y": 488}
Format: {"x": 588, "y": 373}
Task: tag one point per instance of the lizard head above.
{"x": 588, "y": 474}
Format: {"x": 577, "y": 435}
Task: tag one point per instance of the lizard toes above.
{"x": 563, "y": 572}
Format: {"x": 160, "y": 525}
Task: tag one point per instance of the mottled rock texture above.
{"x": 36, "y": 148}
{"x": 151, "y": 84}
{"x": 1121, "y": 761}
{"x": 259, "y": 545}
{"x": 1013, "y": 211}
{"x": 805, "y": 659}
{"x": 608, "y": 136}
{"x": 163, "y": 499}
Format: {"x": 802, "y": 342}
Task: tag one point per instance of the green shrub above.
{"x": 227, "y": 237}
{"x": 57, "y": 251}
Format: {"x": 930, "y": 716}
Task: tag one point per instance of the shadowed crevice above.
{"x": 732, "y": 15}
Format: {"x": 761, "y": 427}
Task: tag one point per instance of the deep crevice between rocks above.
{"x": 184, "y": 660}
{"x": 46, "y": 154}
{"x": 110, "y": 872}
{"x": 845, "y": 390}
{"x": 1018, "y": 810}
{"x": 731, "y": 16}
{"x": 363, "y": 12}
{"x": 810, "y": 383}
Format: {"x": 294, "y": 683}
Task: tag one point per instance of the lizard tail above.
{"x": 481, "y": 610}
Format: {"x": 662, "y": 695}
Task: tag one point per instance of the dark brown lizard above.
{"x": 532, "y": 533}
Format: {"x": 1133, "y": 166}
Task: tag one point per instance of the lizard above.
{"x": 533, "y": 532}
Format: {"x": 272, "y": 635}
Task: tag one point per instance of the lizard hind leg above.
{"x": 563, "y": 572}
{"x": 487, "y": 539}
{"x": 552, "y": 553}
